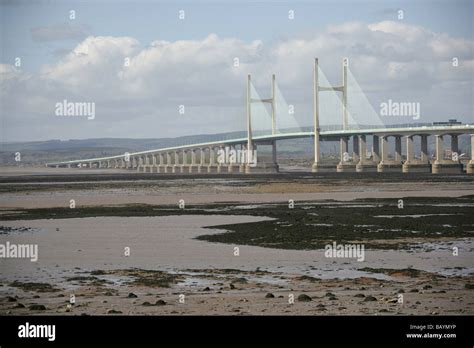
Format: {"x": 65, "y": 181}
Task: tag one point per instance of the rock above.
{"x": 132, "y": 295}
{"x": 304, "y": 298}
{"x": 426, "y": 287}
{"x": 36, "y": 296}
{"x": 329, "y": 294}
{"x": 400, "y": 291}
{"x": 359, "y": 295}
{"x": 19, "y": 305}
{"x": 369, "y": 298}
{"x": 332, "y": 298}
{"x": 37, "y": 307}
{"x": 320, "y": 305}
{"x": 414, "y": 290}
{"x": 207, "y": 288}
{"x": 469, "y": 286}
{"x": 146, "y": 303}
{"x": 232, "y": 286}
{"x": 11, "y": 299}
{"x": 269, "y": 295}
{"x": 113, "y": 311}
{"x": 160, "y": 303}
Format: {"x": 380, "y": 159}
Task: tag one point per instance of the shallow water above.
{"x": 70, "y": 246}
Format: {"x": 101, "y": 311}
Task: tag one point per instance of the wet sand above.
{"x": 90, "y": 250}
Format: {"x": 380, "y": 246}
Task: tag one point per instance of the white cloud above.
{"x": 391, "y": 60}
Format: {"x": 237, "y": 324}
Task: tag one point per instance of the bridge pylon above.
{"x": 260, "y": 167}
{"x": 345, "y": 119}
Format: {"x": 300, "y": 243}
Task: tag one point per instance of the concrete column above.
{"x": 362, "y": 149}
{"x": 355, "y": 149}
{"x": 212, "y": 156}
{"x": 317, "y": 154}
{"x": 470, "y": 165}
{"x": 185, "y": 157}
{"x": 212, "y": 160}
{"x": 384, "y": 149}
{"x": 455, "y": 146}
{"x": 344, "y": 147}
{"x": 231, "y": 166}
{"x": 202, "y": 152}
{"x": 192, "y": 167}
{"x": 185, "y": 161}
{"x": 274, "y": 152}
{"x": 250, "y": 158}
{"x": 141, "y": 162}
{"x": 398, "y": 149}
{"x": 146, "y": 165}
{"x": 175, "y": 168}
{"x": 439, "y": 149}
{"x": 376, "y": 149}
{"x": 410, "y": 154}
{"x": 159, "y": 164}
{"x": 243, "y": 159}
{"x": 424, "y": 149}
{"x": 202, "y": 160}
{"x": 168, "y": 165}
{"x": 154, "y": 163}
{"x": 219, "y": 165}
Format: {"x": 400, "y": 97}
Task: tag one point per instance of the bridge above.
{"x": 240, "y": 154}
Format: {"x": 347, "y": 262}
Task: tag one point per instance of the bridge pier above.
{"x": 154, "y": 165}
{"x": 470, "y": 165}
{"x": 363, "y": 165}
{"x": 416, "y": 166}
{"x": 441, "y": 165}
{"x": 219, "y": 164}
{"x": 184, "y": 162}
{"x": 385, "y": 164}
{"x": 167, "y": 166}
{"x": 193, "y": 168}
{"x": 243, "y": 149}
{"x": 260, "y": 167}
{"x": 175, "y": 168}
{"x": 160, "y": 164}
{"x": 212, "y": 168}
{"x": 202, "y": 160}
{"x": 344, "y": 165}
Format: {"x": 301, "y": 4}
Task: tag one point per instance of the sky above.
{"x": 141, "y": 65}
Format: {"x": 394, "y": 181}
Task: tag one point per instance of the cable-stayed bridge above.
{"x": 240, "y": 154}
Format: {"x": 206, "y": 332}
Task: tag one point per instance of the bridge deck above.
{"x": 324, "y": 135}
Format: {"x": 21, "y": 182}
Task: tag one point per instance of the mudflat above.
{"x": 129, "y": 247}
